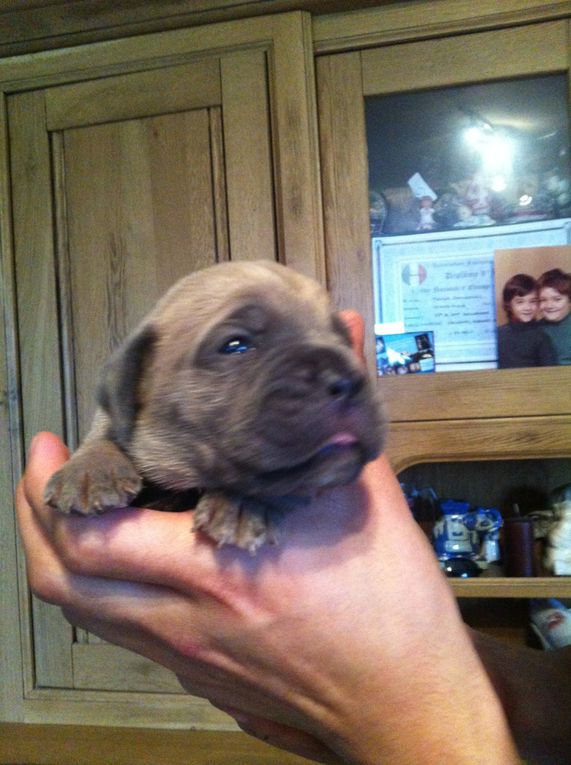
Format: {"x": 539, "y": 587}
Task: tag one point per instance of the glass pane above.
{"x": 469, "y": 187}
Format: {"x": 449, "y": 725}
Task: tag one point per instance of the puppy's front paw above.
{"x": 235, "y": 520}
{"x": 92, "y": 483}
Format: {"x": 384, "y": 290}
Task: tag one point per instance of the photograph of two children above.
{"x": 508, "y": 309}
{"x": 533, "y": 306}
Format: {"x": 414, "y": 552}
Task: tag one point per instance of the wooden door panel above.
{"x": 140, "y": 214}
{"x": 247, "y": 143}
{"x": 140, "y": 94}
{"x": 118, "y": 201}
{"x": 110, "y": 215}
{"x": 35, "y": 276}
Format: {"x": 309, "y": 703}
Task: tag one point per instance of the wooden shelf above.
{"x": 512, "y": 587}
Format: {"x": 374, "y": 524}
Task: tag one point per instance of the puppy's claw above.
{"x": 91, "y": 486}
{"x": 236, "y": 521}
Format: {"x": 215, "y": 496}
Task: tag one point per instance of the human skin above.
{"x": 524, "y": 308}
{"x": 554, "y": 305}
{"x": 342, "y": 644}
{"x": 346, "y": 632}
{"x": 535, "y": 690}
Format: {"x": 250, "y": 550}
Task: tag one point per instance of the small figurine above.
{"x": 560, "y": 189}
{"x": 464, "y": 214}
{"x": 558, "y": 553}
{"x": 478, "y": 199}
{"x": 426, "y": 212}
{"x": 465, "y": 533}
{"x": 377, "y": 212}
{"x": 551, "y": 622}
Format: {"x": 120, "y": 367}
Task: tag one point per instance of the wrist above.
{"x": 447, "y": 733}
{"x": 442, "y": 708}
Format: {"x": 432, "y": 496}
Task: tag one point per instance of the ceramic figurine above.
{"x": 465, "y": 533}
{"x": 426, "y": 213}
{"x": 558, "y": 553}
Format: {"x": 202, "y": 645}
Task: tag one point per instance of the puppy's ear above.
{"x": 121, "y": 388}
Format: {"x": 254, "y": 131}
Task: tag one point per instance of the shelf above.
{"x": 512, "y": 587}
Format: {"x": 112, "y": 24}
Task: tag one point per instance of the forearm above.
{"x": 464, "y": 725}
{"x": 435, "y": 704}
{"x": 535, "y": 690}
{"x": 450, "y": 731}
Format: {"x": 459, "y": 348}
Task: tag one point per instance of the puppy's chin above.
{"x": 333, "y": 465}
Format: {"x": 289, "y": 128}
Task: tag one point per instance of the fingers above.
{"x": 124, "y": 544}
{"x": 356, "y": 326}
{"x": 46, "y": 574}
{"x": 148, "y": 620}
{"x": 47, "y": 454}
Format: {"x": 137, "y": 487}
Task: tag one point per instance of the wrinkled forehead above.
{"x": 200, "y": 304}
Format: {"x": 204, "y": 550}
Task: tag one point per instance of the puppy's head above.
{"x": 243, "y": 379}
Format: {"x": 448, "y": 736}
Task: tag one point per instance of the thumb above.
{"x": 356, "y": 326}
{"x": 46, "y": 455}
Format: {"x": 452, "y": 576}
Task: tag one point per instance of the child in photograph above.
{"x": 522, "y": 341}
{"x": 555, "y": 306}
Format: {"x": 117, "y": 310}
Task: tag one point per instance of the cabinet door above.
{"x": 345, "y": 82}
{"x": 454, "y": 416}
{"x": 132, "y": 165}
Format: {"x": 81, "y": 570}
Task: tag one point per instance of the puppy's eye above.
{"x": 237, "y": 344}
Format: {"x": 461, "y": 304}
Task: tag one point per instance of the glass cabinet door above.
{"x": 459, "y": 149}
{"x": 470, "y": 205}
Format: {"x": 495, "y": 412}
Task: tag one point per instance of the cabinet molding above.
{"x": 179, "y": 88}
{"x": 423, "y": 20}
{"x": 411, "y": 443}
{"x": 27, "y": 25}
{"x": 485, "y": 393}
{"x": 507, "y": 587}
{"x": 345, "y": 192}
{"x": 477, "y": 56}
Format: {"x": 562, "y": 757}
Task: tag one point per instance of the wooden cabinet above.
{"x": 453, "y": 416}
{"x": 127, "y": 165}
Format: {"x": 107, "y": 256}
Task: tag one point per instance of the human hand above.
{"x": 341, "y": 644}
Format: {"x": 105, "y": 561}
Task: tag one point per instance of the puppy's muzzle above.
{"x": 319, "y": 372}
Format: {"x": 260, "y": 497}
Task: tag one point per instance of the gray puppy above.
{"x": 241, "y": 383}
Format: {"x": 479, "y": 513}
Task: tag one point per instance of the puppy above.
{"x": 240, "y": 383}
